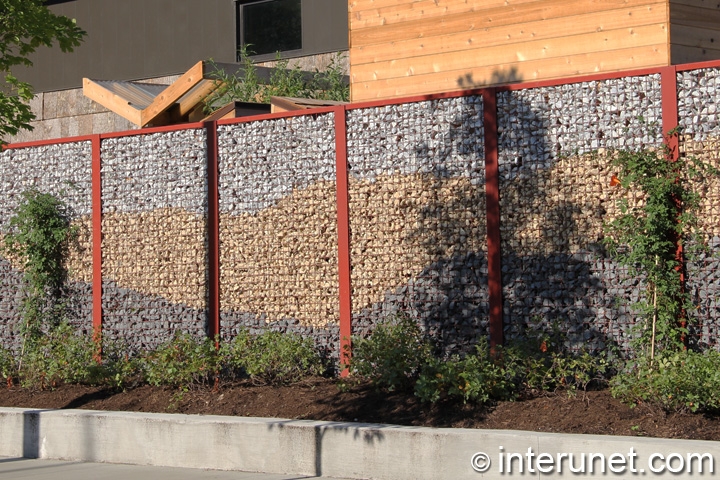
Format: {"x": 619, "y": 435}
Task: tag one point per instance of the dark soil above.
{"x": 593, "y": 412}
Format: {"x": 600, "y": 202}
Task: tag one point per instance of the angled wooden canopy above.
{"x": 153, "y": 105}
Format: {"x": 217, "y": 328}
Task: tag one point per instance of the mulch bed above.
{"x": 592, "y": 412}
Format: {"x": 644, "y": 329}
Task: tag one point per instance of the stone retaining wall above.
{"x": 417, "y": 217}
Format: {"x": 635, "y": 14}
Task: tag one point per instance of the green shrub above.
{"x": 62, "y": 355}
{"x": 181, "y": 362}
{"x": 677, "y": 382}
{"x": 272, "y": 357}
{"x": 393, "y": 355}
{"x": 8, "y": 365}
{"x": 474, "y": 378}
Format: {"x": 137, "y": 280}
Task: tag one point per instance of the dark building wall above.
{"x": 139, "y": 39}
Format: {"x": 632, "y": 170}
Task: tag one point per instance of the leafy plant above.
{"x": 27, "y": 25}
{"x": 675, "y": 381}
{"x": 539, "y": 362}
{"x": 62, "y": 355}
{"x": 40, "y": 233}
{"x": 181, "y": 362}
{"x": 8, "y": 366}
{"x": 393, "y": 355}
{"x": 272, "y": 357}
{"x": 475, "y": 378}
{"x": 328, "y": 84}
{"x": 646, "y": 235}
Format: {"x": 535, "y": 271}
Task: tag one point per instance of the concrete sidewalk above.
{"x": 26, "y": 469}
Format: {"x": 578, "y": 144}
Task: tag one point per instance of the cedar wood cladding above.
{"x": 410, "y": 47}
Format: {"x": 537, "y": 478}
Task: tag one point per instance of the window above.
{"x": 270, "y": 26}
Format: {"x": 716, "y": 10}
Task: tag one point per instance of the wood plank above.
{"x": 410, "y": 11}
{"x": 585, "y": 64}
{"x": 173, "y": 93}
{"x": 507, "y": 35}
{"x": 683, "y": 54}
{"x": 111, "y": 101}
{"x": 695, "y": 37}
{"x": 536, "y": 11}
{"x": 695, "y": 17}
{"x": 188, "y": 103}
{"x": 556, "y": 49}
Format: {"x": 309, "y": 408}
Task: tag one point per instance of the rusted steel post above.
{"x": 670, "y": 122}
{"x": 492, "y": 202}
{"x": 343, "y": 229}
{"x": 96, "y": 178}
{"x": 213, "y": 226}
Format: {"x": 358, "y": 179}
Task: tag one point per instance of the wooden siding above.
{"x": 414, "y": 47}
{"x": 694, "y": 31}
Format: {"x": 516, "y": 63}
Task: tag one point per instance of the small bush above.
{"x": 8, "y": 365}
{"x": 273, "y": 357}
{"x": 181, "y": 362}
{"x": 393, "y": 355}
{"x": 677, "y": 382}
{"x": 474, "y": 378}
{"x": 540, "y": 362}
{"x": 62, "y": 355}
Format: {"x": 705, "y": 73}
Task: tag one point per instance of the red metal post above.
{"x": 668, "y": 86}
{"x": 670, "y": 122}
{"x": 492, "y": 201}
{"x": 213, "y": 231}
{"x": 343, "y": 227}
{"x": 96, "y": 176}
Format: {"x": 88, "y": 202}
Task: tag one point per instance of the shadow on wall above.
{"x": 467, "y": 82}
{"x": 550, "y": 250}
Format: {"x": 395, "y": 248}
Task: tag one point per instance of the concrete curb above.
{"x": 333, "y": 449}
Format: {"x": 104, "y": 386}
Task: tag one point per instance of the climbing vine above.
{"x": 40, "y": 234}
{"x": 657, "y": 217}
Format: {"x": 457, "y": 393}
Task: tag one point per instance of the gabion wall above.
{"x": 698, "y": 108}
{"x": 555, "y": 196}
{"x": 65, "y": 171}
{"x": 417, "y": 217}
{"x": 154, "y": 196}
{"x": 278, "y": 228}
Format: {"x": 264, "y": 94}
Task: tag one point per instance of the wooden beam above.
{"x": 192, "y": 100}
{"x": 113, "y": 102}
{"x": 173, "y": 93}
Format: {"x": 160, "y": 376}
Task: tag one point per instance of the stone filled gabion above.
{"x": 263, "y": 162}
{"x": 154, "y": 196}
{"x": 698, "y": 99}
{"x": 417, "y": 217}
{"x": 64, "y": 170}
{"x": 555, "y": 199}
{"x": 141, "y": 173}
{"x": 536, "y": 126}
{"x": 278, "y": 227}
{"x": 698, "y": 108}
